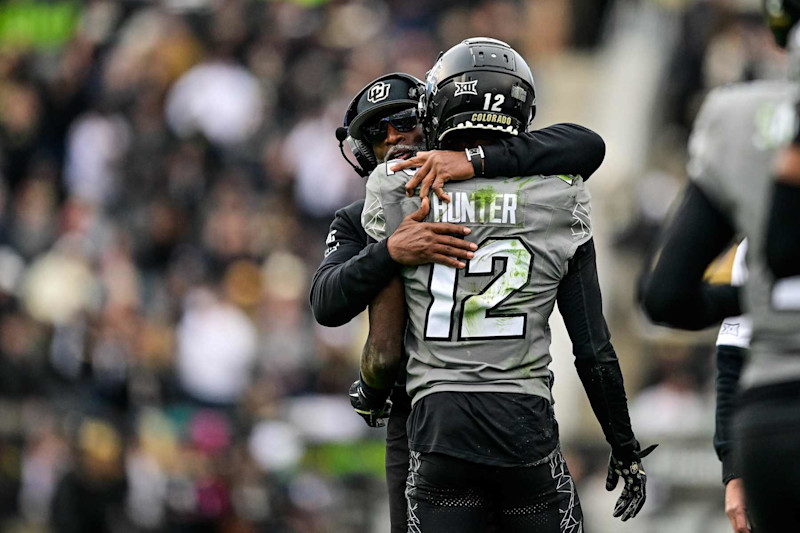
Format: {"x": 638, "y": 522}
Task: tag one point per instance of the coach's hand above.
{"x": 415, "y": 242}
{"x": 435, "y": 169}
{"x": 634, "y": 492}
{"x": 735, "y": 506}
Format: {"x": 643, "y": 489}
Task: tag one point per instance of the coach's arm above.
{"x": 353, "y": 271}
{"x": 356, "y": 269}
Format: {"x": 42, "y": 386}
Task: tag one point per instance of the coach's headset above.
{"x": 391, "y": 92}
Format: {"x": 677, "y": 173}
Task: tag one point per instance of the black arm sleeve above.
{"x": 558, "y": 149}
{"x": 730, "y": 360}
{"x": 783, "y": 231}
{"x": 353, "y": 271}
{"x": 581, "y": 305}
{"x": 674, "y": 294}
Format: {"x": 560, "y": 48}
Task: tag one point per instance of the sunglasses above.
{"x": 404, "y": 121}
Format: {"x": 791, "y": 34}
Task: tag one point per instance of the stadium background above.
{"x": 168, "y": 171}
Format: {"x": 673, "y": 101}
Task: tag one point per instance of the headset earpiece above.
{"x": 363, "y": 154}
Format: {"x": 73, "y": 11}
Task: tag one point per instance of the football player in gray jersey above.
{"x": 783, "y": 231}
{"x": 736, "y": 136}
{"x": 733, "y": 343}
{"x": 353, "y": 271}
{"x": 482, "y": 433}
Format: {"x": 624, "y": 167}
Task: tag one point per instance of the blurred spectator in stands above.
{"x": 673, "y": 405}
{"x": 216, "y": 344}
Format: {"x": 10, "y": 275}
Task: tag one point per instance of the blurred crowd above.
{"x": 168, "y": 171}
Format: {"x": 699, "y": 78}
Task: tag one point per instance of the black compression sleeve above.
{"x": 558, "y": 149}
{"x": 352, "y": 273}
{"x": 674, "y": 294}
{"x": 581, "y": 305}
{"x": 730, "y": 360}
{"x": 783, "y": 231}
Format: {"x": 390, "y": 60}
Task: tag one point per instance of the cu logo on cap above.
{"x": 378, "y": 92}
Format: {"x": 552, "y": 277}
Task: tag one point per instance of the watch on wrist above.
{"x": 476, "y": 157}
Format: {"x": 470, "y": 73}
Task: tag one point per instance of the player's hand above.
{"x": 374, "y": 415}
{"x": 735, "y": 506}
{"x": 415, "y": 242}
{"x": 435, "y": 169}
{"x": 634, "y": 492}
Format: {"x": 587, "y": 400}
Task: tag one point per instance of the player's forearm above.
{"x": 674, "y": 294}
{"x": 580, "y": 303}
{"x": 604, "y": 386}
{"x": 783, "y": 232}
{"x": 729, "y": 364}
{"x": 383, "y": 352}
{"x": 380, "y": 364}
{"x": 558, "y": 149}
{"x": 677, "y": 303}
{"x": 340, "y": 291}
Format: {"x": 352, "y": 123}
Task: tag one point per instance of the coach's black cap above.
{"x": 380, "y": 97}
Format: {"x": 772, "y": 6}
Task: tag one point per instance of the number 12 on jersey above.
{"x": 480, "y": 316}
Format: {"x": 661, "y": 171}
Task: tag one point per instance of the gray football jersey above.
{"x": 485, "y": 327}
{"x": 732, "y": 150}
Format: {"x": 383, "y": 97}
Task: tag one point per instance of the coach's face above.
{"x": 402, "y": 139}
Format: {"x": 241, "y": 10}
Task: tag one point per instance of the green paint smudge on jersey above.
{"x": 483, "y": 198}
{"x": 475, "y": 307}
{"x": 474, "y": 313}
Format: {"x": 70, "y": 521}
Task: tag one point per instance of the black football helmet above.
{"x": 782, "y": 16}
{"x": 480, "y": 83}
{"x": 381, "y": 97}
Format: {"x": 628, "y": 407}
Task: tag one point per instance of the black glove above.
{"x": 372, "y": 404}
{"x": 633, "y": 494}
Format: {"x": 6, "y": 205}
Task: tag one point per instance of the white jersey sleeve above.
{"x": 737, "y": 331}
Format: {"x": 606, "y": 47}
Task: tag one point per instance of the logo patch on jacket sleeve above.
{"x": 331, "y": 243}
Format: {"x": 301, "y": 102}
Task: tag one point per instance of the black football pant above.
{"x": 397, "y": 459}
{"x": 768, "y": 425}
{"x": 446, "y": 494}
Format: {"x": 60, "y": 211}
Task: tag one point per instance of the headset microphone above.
{"x": 341, "y": 136}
